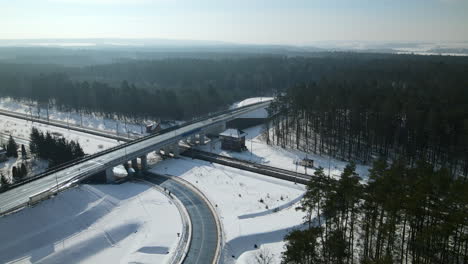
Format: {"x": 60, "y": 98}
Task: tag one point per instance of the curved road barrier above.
{"x": 186, "y": 236}
{"x": 205, "y": 244}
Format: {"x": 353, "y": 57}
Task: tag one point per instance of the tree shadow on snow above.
{"x": 273, "y": 210}
{"x": 89, "y": 247}
{"x": 239, "y": 245}
{"x": 36, "y": 230}
{"x": 154, "y": 250}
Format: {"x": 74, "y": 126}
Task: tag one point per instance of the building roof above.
{"x": 234, "y": 133}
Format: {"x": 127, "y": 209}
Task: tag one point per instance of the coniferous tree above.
{"x": 12, "y": 148}
{"x": 15, "y": 174}
{"x": 24, "y": 170}
{"x": 35, "y": 141}
{"x": 3, "y": 180}
{"x": 302, "y": 247}
{"x": 403, "y": 214}
{"x": 24, "y": 154}
{"x": 56, "y": 150}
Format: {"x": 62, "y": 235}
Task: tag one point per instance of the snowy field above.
{"x": 254, "y": 209}
{"x": 281, "y": 158}
{"x": 21, "y": 129}
{"x": 259, "y": 113}
{"x": 276, "y": 156}
{"x": 94, "y": 120}
{"x": 127, "y": 223}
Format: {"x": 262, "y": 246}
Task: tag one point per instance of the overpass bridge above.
{"x": 45, "y": 184}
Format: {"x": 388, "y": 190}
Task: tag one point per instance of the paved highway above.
{"x": 19, "y": 196}
{"x": 202, "y": 249}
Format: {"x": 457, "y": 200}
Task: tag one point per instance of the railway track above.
{"x": 248, "y": 166}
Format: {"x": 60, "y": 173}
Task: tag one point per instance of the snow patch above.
{"x": 127, "y": 223}
{"x": 254, "y": 209}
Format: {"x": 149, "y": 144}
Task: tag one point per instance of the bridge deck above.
{"x": 19, "y": 196}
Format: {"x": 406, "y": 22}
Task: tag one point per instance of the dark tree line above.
{"x": 184, "y": 88}
{"x": 126, "y": 99}
{"x": 402, "y": 215}
{"x": 420, "y": 117}
{"x": 56, "y": 150}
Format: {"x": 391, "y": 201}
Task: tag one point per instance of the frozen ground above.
{"x": 259, "y": 113}
{"x": 94, "y": 120}
{"x": 278, "y": 157}
{"x": 254, "y": 209}
{"x": 33, "y": 166}
{"x": 21, "y": 129}
{"x": 127, "y": 223}
{"x": 252, "y": 100}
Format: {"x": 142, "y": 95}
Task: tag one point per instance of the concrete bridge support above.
{"x": 216, "y": 130}
{"x": 135, "y": 164}
{"x": 110, "y": 178}
{"x": 201, "y": 137}
{"x": 144, "y": 162}
{"x": 193, "y": 139}
{"x": 175, "y": 150}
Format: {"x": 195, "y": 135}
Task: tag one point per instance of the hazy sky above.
{"x": 243, "y": 21}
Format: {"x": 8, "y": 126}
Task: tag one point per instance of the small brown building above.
{"x": 233, "y": 139}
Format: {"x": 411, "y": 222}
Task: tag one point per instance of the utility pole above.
{"x": 126, "y": 129}
{"x": 295, "y": 178}
{"x": 68, "y": 121}
{"x": 305, "y": 165}
{"x": 30, "y": 111}
{"x": 251, "y": 148}
{"x": 56, "y": 180}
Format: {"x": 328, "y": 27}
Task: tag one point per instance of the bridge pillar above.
{"x": 216, "y": 130}
{"x": 175, "y": 150}
{"x": 135, "y": 164}
{"x": 110, "y": 178}
{"x": 222, "y": 127}
{"x": 126, "y": 165}
{"x": 202, "y": 138}
{"x": 194, "y": 139}
{"x": 144, "y": 162}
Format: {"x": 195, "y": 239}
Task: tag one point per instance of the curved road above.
{"x": 204, "y": 233}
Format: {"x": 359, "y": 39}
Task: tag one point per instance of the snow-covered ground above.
{"x": 281, "y": 158}
{"x": 33, "y": 166}
{"x": 127, "y": 223}
{"x": 254, "y": 209}
{"x": 250, "y": 101}
{"x": 259, "y": 113}
{"x": 260, "y": 152}
{"x": 94, "y": 120}
{"x": 21, "y": 129}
